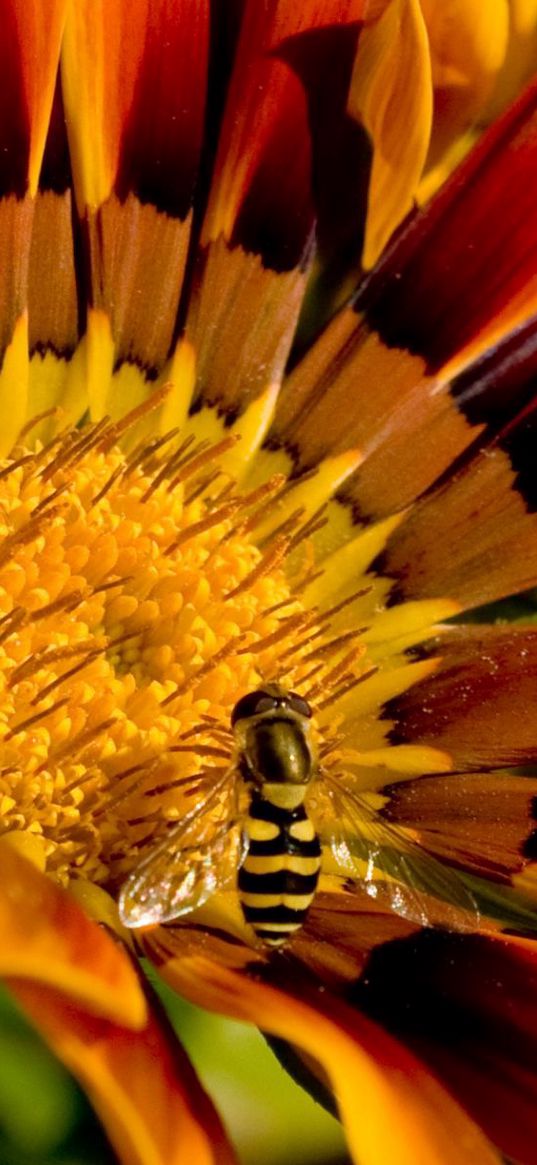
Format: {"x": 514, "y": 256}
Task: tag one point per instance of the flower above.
{"x": 212, "y": 526}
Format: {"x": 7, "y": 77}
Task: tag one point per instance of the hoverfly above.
{"x": 271, "y": 846}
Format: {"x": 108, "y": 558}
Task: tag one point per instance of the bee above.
{"x": 264, "y": 824}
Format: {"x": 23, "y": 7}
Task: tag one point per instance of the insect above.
{"x": 264, "y": 823}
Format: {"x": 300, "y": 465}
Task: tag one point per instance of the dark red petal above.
{"x": 479, "y": 704}
{"x": 474, "y": 537}
{"x": 53, "y": 323}
{"x": 485, "y": 822}
{"x": 394, "y": 377}
{"x": 468, "y": 1006}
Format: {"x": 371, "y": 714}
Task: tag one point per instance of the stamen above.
{"x": 148, "y": 406}
{"x": 193, "y": 464}
{"x": 331, "y": 677}
{"x": 201, "y": 527}
{"x": 352, "y": 682}
{"x": 114, "y": 477}
{"x": 136, "y": 606}
{"x": 270, "y": 562}
{"x": 42, "y": 659}
{"x": 170, "y": 465}
{"x": 18, "y": 728}
{"x": 67, "y": 675}
{"x": 55, "y": 412}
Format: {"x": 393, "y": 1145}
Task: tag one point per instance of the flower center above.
{"x": 135, "y": 608}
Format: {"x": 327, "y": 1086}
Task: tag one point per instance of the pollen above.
{"x": 135, "y": 608}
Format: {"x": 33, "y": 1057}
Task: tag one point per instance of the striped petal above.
{"x": 477, "y": 706}
{"x": 256, "y": 241}
{"x": 28, "y": 61}
{"x": 474, "y": 537}
{"x": 134, "y": 94}
{"x": 57, "y": 384}
{"x": 484, "y": 822}
{"x": 459, "y": 281}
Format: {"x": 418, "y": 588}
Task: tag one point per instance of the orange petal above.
{"x": 29, "y": 53}
{"x": 48, "y": 938}
{"x": 473, "y": 537}
{"x": 133, "y": 77}
{"x": 140, "y": 1083}
{"x": 468, "y": 43}
{"x": 393, "y": 1110}
{"x": 457, "y": 817}
{"x": 519, "y": 64}
{"x": 391, "y": 94}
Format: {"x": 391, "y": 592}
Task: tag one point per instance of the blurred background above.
{"x": 46, "y": 1120}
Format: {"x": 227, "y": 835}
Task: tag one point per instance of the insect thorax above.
{"x": 276, "y": 750}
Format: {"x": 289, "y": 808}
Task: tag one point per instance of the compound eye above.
{"x": 300, "y": 705}
{"x": 252, "y": 705}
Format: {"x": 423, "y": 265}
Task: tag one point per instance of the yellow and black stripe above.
{"x": 278, "y": 879}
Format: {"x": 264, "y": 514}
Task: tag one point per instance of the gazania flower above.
{"x": 183, "y": 525}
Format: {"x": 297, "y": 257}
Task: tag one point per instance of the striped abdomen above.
{"x": 279, "y": 876}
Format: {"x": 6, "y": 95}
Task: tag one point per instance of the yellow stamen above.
{"x": 140, "y": 597}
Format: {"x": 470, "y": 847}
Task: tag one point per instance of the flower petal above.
{"x": 474, "y": 537}
{"x": 484, "y": 822}
{"x": 29, "y": 58}
{"x": 519, "y": 63}
{"x": 46, "y": 937}
{"x": 140, "y": 1083}
{"x": 459, "y": 281}
{"x": 55, "y": 322}
{"x": 468, "y": 47}
{"x": 478, "y": 704}
{"x": 392, "y": 87}
{"x": 134, "y": 94}
{"x": 29, "y": 52}
{"x": 257, "y": 234}
{"x": 468, "y": 1006}
{"x": 402, "y": 1115}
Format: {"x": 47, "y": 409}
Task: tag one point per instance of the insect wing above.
{"x": 180, "y": 873}
{"x": 390, "y": 865}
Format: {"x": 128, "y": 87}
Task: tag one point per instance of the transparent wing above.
{"x": 199, "y": 855}
{"x": 388, "y": 863}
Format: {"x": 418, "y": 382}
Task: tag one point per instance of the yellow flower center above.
{"x": 135, "y": 609}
